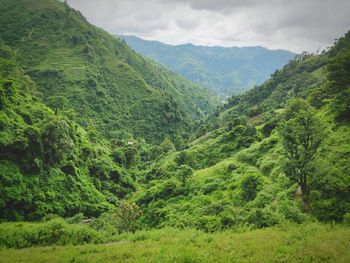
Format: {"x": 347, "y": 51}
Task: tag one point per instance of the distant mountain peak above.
{"x": 224, "y": 70}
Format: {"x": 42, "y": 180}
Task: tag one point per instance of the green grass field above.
{"x": 291, "y": 243}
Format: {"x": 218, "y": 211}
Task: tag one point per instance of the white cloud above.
{"x": 296, "y": 25}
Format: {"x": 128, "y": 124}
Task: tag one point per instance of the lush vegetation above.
{"x": 225, "y": 71}
{"x": 76, "y": 108}
{"x": 77, "y": 168}
{"x": 278, "y": 152}
{"x": 96, "y": 79}
{"x": 50, "y": 164}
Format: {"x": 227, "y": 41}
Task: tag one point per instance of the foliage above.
{"x": 79, "y": 109}
{"x": 241, "y": 173}
{"x": 184, "y": 172}
{"x": 302, "y": 134}
{"x": 250, "y": 187}
{"x": 338, "y": 88}
{"x": 49, "y": 164}
{"x": 83, "y": 71}
{"x": 167, "y": 146}
{"x": 126, "y": 215}
{"x": 53, "y": 232}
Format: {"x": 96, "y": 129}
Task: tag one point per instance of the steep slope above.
{"x": 78, "y": 66}
{"x": 225, "y": 71}
{"x": 48, "y": 163}
{"x": 235, "y": 172}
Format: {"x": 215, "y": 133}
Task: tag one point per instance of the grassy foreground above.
{"x": 291, "y": 243}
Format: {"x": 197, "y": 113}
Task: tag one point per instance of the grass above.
{"x": 290, "y": 243}
{"x": 65, "y": 59}
{"x": 212, "y": 171}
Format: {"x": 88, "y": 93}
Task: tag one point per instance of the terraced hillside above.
{"x": 85, "y": 69}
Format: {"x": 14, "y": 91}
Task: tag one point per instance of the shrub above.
{"x": 263, "y": 217}
{"x": 184, "y": 173}
{"x": 77, "y": 218}
{"x": 105, "y": 222}
{"x": 210, "y": 187}
{"x": 49, "y": 217}
{"x": 54, "y": 232}
{"x": 250, "y": 186}
{"x": 209, "y": 223}
{"x": 126, "y": 215}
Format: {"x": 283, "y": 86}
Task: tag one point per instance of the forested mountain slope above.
{"x": 48, "y": 163}
{"x": 107, "y": 155}
{"x": 76, "y": 106}
{"x": 95, "y": 78}
{"x": 224, "y": 70}
{"x": 245, "y": 163}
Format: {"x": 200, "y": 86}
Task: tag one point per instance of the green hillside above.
{"x": 83, "y": 68}
{"x": 76, "y": 108}
{"x": 224, "y": 70}
{"x": 48, "y": 163}
{"x": 109, "y": 156}
{"x": 236, "y": 167}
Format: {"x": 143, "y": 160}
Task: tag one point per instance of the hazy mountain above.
{"x": 225, "y": 70}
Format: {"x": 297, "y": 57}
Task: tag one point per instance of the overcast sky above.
{"x": 296, "y": 25}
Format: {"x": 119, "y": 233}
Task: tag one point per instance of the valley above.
{"x": 107, "y": 155}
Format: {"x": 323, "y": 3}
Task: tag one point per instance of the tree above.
{"x": 250, "y": 186}
{"x": 131, "y": 156}
{"x": 182, "y": 157}
{"x": 126, "y": 215}
{"x": 57, "y": 103}
{"x": 302, "y": 134}
{"x": 57, "y": 141}
{"x": 167, "y": 145}
{"x": 339, "y": 76}
{"x": 184, "y": 172}
{"x": 180, "y": 143}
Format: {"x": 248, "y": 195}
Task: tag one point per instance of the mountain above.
{"x": 48, "y": 163}
{"x": 76, "y": 107}
{"x": 242, "y": 166}
{"x": 224, "y": 70}
{"x": 82, "y": 68}
{"x": 96, "y": 141}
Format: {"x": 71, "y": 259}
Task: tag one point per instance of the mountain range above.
{"x": 99, "y": 144}
{"x": 106, "y": 83}
{"x": 224, "y": 70}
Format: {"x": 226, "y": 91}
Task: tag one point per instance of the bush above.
{"x": 250, "y": 186}
{"x": 49, "y": 217}
{"x": 210, "y": 187}
{"x": 263, "y": 217}
{"x": 184, "y": 173}
{"x": 105, "y": 222}
{"x": 126, "y": 215}
{"x": 75, "y": 219}
{"x": 54, "y": 232}
{"x": 209, "y": 223}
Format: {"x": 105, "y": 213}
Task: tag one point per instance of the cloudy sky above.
{"x": 296, "y": 25}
